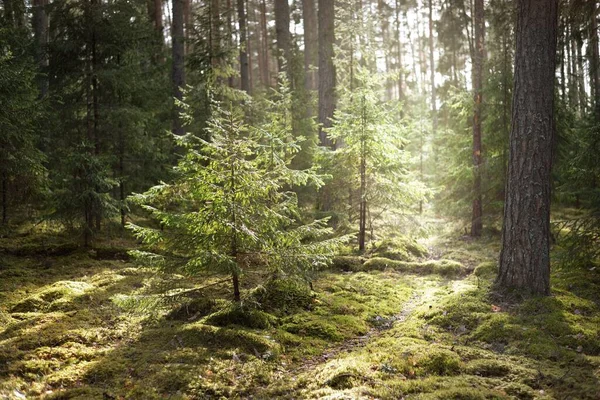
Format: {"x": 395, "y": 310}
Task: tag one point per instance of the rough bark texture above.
{"x": 282, "y": 32}
{"x": 40, "y": 31}
{"x": 265, "y": 75}
{"x": 244, "y": 78}
{"x": 311, "y": 53}
{"x": 478, "y": 57}
{"x": 326, "y": 69}
{"x": 525, "y": 255}
{"x": 178, "y": 69}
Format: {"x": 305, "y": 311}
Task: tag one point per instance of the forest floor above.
{"x": 409, "y": 321}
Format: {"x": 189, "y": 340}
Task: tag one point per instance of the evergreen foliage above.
{"x": 231, "y": 208}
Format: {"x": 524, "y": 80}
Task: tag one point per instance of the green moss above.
{"x": 439, "y": 362}
{"x": 488, "y": 269}
{"x": 441, "y": 267}
{"x": 488, "y": 368}
{"x": 243, "y": 316}
{"x": 347, "y": 263}
{"x": 284, "y": 296}
{"x": 313, "y": 327}
{"x": 192, "y": 309}
{"x": 58, "y": 296}
{"x": 399, "y": 248}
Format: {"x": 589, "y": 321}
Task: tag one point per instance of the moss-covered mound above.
{"x": 441, "y": 267}
{"x": 284, "y": 296}
{"x": 401, "y": 248}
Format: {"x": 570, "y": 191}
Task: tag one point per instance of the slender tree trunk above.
{"x": 561, "y": 44}
{"x": 311, "y": 53}
{"x": 244, "y": 79}
{"x": 476, "y": 218}
{"x": 595, "y": 59}
{"x": 432, "y": 72}
{"x": 282, "y": 31}
{"x": 40, "y": 29}
{"x": 580, "y": 77}
{"x": 327, "y": 79}
{"x": 215, "y": 33}
{"x": 187, "y": 23}
{"x": 572, "y": 69}
{"x": 363, "y": 181}
{"x": 178, "y": 68}
{"x": 525, "y": 255}
{"x": 4, "y": 198}
{"x": 265, "y": 43}
{"x": 158, "y": 18}
{"x": 399, "y": 67}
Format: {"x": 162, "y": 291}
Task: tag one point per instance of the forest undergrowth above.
{"x": 410, "y": 319}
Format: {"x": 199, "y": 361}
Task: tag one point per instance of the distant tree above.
{"x": 525, "y": 255}
{"x": 311, "y": 53}
{"x": 478, "y": 62}
{"x": 327, "y": 78}
{"x": 22, "y": 173}
{"x": 178, "y": 63}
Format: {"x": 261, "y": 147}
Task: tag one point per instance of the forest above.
{"x": 300, "y": 199}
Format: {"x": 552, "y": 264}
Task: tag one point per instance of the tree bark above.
{"x": 525, "y": 255}
{"x": 178, "y": 69}
{"x": 266, "y": 76}
{"x": 311, "y": 53}
{"x": 595, "y": 60}
{"x": 282, "y": 32}
{"x": 327, "y": 78}
{"x": 244, "y": 78}
{"x": 40, "y": 29}
{"x": 479, "y": 54}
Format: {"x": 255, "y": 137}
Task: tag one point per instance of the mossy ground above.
{"x": 84, "y": 324}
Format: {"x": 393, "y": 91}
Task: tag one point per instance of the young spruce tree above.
{"x": 231, "y": 208}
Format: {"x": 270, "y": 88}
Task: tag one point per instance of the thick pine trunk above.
{"x": 311, "y": 53}
{"x": 525, "y": 255}
{"x": 244, "y": 78}
{"x": 282, "y": 32}
{"x": 178, "y": 69}
{"x": 479, "y": 54}
{"x": 327, "y": 79}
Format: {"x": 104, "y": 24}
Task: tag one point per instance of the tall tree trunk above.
{"x": 399, "y": 66}
{"x": 432, "y": 72}
{"x": 572, "y": 68}
{"x": 187, "y": 23}
{"x": 363, "y": 180}
{"x": 282, "y": 32}
{"x": 479, "y": 54}
{"x": 178, "y": 69}
{"x": 525, "y": 255}
{"x": 595, "y": 60}
{"x": 327, "y": 79}
{"x": 40, "y": 29}
{"x": 215, "y": 33}
{"x": 244, "y": 79}
{"x": 158, "y": 18}
{"x": 265, "y": 43}
{"x": 311, "y": 53}
{"x": 4, "y": 183}
{"x": 581, "y": 76}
